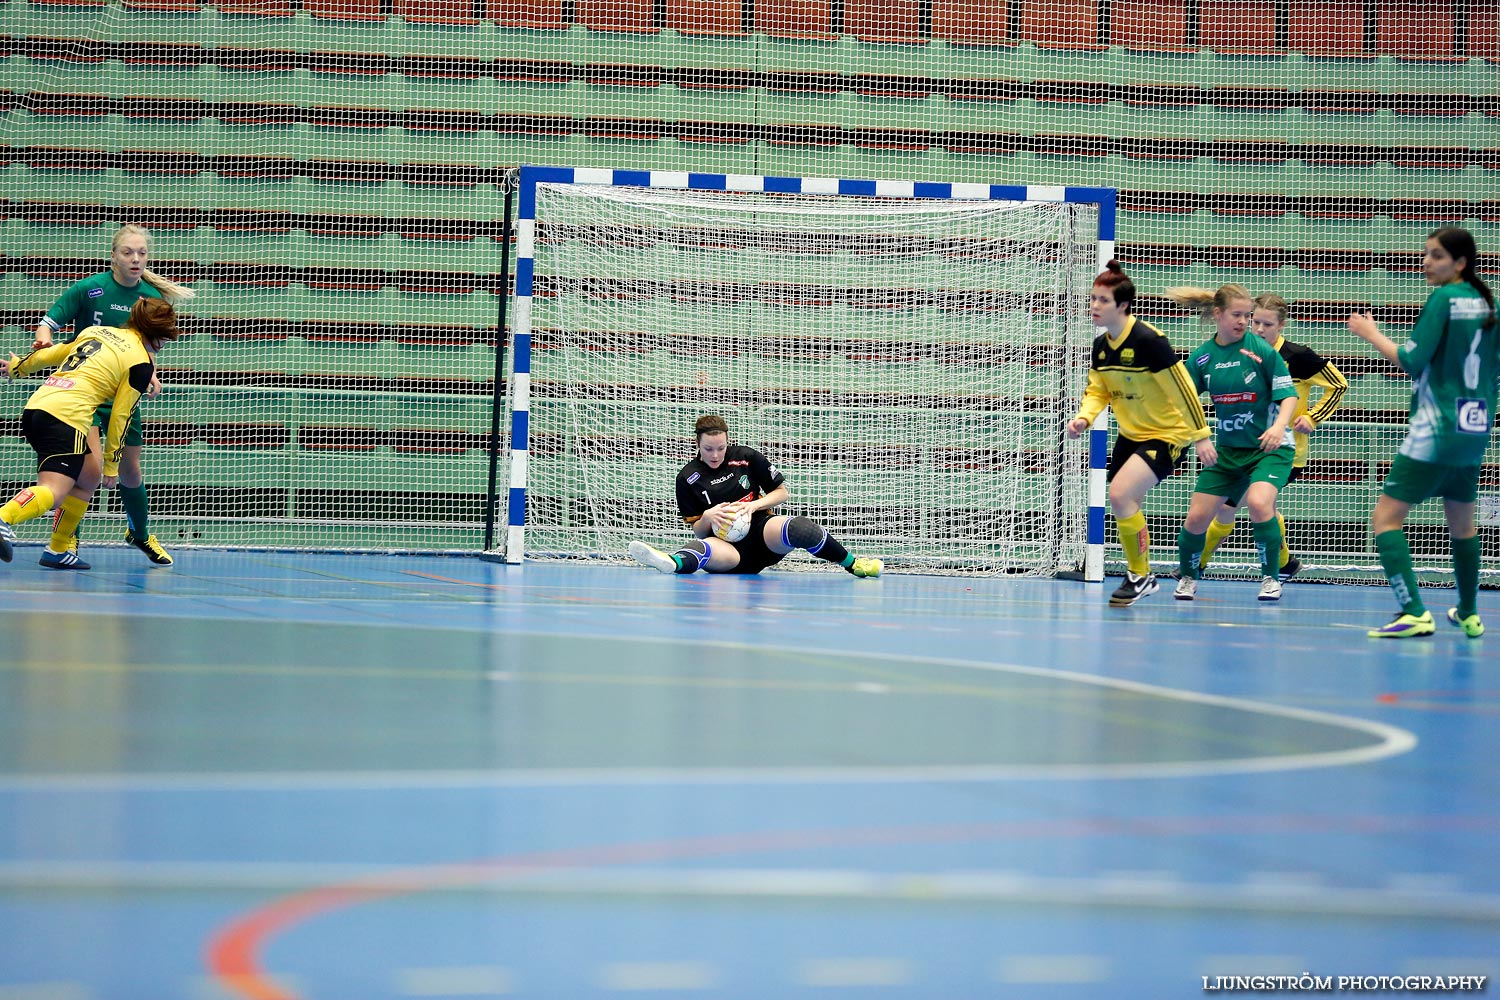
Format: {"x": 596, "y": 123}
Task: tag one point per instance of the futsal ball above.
{"x": 736, "y": 529}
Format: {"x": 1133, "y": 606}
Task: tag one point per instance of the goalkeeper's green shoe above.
{"x": 1404, "y": 627}
{"x": 1472, "y": 626}
{"x": 867, "y": 568}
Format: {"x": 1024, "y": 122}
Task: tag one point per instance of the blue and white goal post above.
{"x": 906, "y": 351}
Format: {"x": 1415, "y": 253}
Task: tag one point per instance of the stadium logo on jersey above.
{"x": 694, "y": 478}
{"x": 94, "y": 293}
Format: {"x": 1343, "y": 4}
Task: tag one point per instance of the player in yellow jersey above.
{"x": 102, "y": 365}
{"x": 1308, "y": 369}
{"x": 1135, "y": 372}
{"x": 105, "y": 300}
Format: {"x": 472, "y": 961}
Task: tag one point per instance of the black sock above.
{"x": 805, "y": 533}
{"x": 691, "y": 557}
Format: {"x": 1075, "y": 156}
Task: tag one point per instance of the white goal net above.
{"x": 907, "y": 363}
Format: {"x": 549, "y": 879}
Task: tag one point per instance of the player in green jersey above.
{"x": 105, "y": 300}
{"x": 1254, "y": 401}
{"x": 1308, "y": 369}
{"x": 1453, "y": 357}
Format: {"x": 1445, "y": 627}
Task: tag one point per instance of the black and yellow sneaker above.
{"x": 1133, "y": 589}
{"x": 150, "y": 546}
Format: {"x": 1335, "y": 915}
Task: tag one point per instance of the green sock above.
{"x": 1395, "y": 559}
{"x": 1268, "y": 543}
{"x": 1217, "y": 532}
{"x": 134, "y": 499}
{"x": 1466, "y": 572}
{"x": 1190, "y": 552}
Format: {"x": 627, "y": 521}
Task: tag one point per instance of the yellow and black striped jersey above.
{"x": 1140, "y": 377}
{"x": 1308, "y": 369}
{"x": 102, "y": 364}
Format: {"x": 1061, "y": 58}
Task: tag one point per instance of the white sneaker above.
{"x": 647, "y": 555}
{"x": 1187, "y": 588}
{"x": 1270, "y": 589}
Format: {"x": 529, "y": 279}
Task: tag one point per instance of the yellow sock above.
{"x": 1136, "y": 541}
{"x": 66, "y": 525}
{"x": 35, "y": 501}
{"x": 1286, "y": 553}
{"x": 1217, "y": 532}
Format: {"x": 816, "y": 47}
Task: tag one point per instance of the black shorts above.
{"x": 1159, "y": 455}
{"x": 754, "y": 554}
{"x": 59, "y": 448}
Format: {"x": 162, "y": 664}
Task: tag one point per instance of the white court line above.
{"x": 47, "y": 991}
{"x": 642, "y": 976}
{"x": 455, "y": 981}
{"x": 846, "y": 972}
{"x": 969, "y": 887}
{"x": 1390, "y": 741}
{"x": 1052, "y": 969}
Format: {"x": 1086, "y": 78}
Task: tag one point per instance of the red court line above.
{"x": 233, "y": 953}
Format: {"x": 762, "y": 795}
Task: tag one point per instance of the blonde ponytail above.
{"x": 1204, "y": 302}
{"x": 170, "y": 290}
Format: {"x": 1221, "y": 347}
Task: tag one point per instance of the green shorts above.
{"x": 1411, "y": 481}
{"x": 1238, "y": 468}
{"x": 135, "y": 433}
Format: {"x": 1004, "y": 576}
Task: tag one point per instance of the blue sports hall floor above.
{"x": 356, "y": 777}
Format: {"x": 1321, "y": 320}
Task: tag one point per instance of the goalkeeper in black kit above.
{"x": 728, "y": 494}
